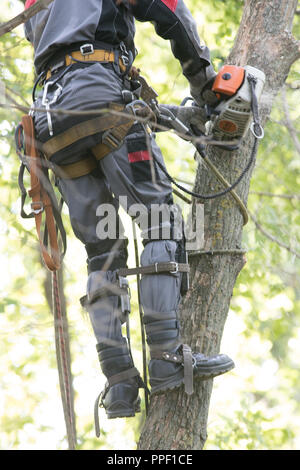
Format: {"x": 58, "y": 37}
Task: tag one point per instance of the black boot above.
{"x": 173, "y": 364}
{"x": 120, "y": 397}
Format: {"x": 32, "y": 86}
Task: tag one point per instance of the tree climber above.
{"x": 83, "y": 54}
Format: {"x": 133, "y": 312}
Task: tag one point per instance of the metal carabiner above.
{"x": 47, "y": 103}
{"x": 254, "y": 131}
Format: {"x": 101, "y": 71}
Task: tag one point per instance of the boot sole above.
{"x": 199, "y": 374}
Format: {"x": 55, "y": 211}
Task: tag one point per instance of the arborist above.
{"x": 83, "y": 56}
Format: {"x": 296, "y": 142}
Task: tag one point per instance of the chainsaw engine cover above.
{"x": 228, "y": 80}
{"x": 232, "y": 117}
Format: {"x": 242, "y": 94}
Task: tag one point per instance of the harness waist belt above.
{"x": 97, "y": 55}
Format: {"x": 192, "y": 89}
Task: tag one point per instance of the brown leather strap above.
{"x": 41, "y": 201}
{"x": 158, "y": 268}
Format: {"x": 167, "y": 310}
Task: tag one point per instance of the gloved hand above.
{"x": 201, "y": 84}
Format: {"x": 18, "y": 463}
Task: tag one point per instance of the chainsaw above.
{"x": 231, "y": 109}
{"x": 230, "y": 119}
{"x": 228, "y": 114}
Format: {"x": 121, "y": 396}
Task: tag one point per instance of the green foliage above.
{"x": 255, "y": 407}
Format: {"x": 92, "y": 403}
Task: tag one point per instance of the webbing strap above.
{"x": 117, "y": 128}
{"x": 87, "y": 165}
{"x": 75, "y": 170}
{"x": 98, "y": 55}
{"x": 87, "y": 128}
{"x": 123, "y": 376}
{"x": 112, "y": 139}
{"x": 158, "y": 268}
{"x": 106, "y": 291}
{"x": 115, "y": 379}
{"x": 188, "y": 369}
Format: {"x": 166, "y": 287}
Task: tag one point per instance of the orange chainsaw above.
{"x": 234, "y": 113}
{"x": 231, "y": 109}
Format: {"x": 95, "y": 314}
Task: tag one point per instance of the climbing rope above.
{"x": 63, "y": 363}
{"x": 143, "y": 338}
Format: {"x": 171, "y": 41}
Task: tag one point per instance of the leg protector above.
{"x": 107, "y": 301}
{"x": 172, "y": 363}
{"x": 108, "y": 304}
{"x": 120, "y": 397}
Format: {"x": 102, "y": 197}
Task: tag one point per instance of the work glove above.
{"x": 201, "y": 86}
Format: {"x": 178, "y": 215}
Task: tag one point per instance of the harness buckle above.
{"x": 37, "y": 211}
{"x": 112, "y": 141}
{"x": 87, "y": 49}
{"x": 124, "y": 55}
{"x": 175, "y": 268}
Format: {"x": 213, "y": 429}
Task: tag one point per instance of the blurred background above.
{"x": 256, "y": 406}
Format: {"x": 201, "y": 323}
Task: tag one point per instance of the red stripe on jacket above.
{"x": 29, "y": 3}
{"x": 140, "y": 156}
{"x": 171, "y": 4}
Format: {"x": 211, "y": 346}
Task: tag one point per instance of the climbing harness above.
{"x": 110, "y": 121}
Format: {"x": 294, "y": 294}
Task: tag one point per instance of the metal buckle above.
{"x": 87, "y": 49}
{"x": 125, "y": 55}
{"x": 176, "y": 268}
{"x": 58, "y": 65}
{"x": 37, "y": 211}
{"x": 111, "y": 140}
{"x": 125, "y": 298}
{"x": 253, "y": 130}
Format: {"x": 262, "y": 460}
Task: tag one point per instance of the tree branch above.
{"x": 10, "y": 92}
{"x": 24, "y": 16}
{"x": 288, "y": 121}
{"x": 271, "y": 237}
{"x": 282, "y": 196}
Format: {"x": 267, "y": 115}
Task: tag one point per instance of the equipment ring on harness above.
{"x": 262, "y": 132}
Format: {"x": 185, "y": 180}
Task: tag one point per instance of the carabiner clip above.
{"x": 47, "y": 103}
{"x": 254, "y": 131}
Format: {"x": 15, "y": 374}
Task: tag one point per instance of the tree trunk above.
{"x": 176, "y": 420}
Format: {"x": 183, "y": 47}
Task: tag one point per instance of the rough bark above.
{"x": 265, "y": 41}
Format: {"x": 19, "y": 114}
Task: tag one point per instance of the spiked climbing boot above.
{"x": 120, "y": 396}
{"x": 170, "y": 368}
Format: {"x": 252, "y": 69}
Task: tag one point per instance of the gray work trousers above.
{"x": 89, "y": 199}
{"x": 128, "y": 177}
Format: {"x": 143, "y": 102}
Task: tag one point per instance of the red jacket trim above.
{"x": 140, "y": 156}
{"x": 171, "y": 4}
{"x": 29, "y": 3}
